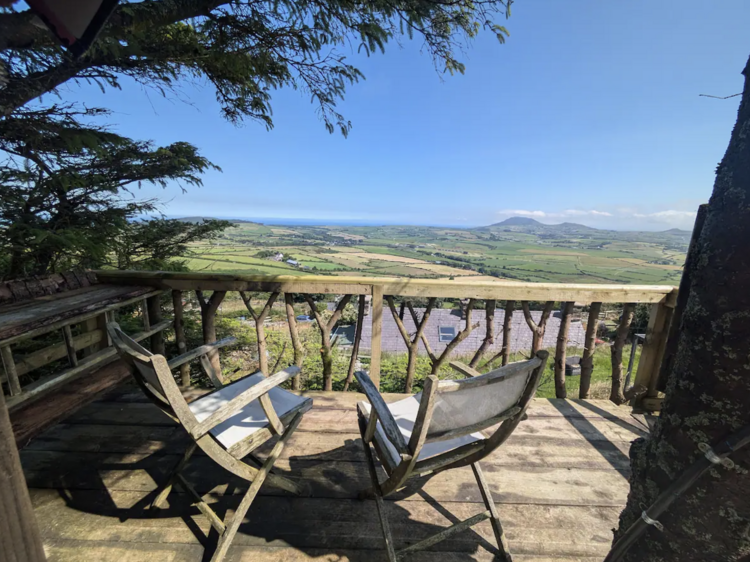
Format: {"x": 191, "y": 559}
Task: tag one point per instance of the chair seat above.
{"x": 251, "y": 418}
{"x": 405, "y": 413}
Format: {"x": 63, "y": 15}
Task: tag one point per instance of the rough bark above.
{"x": 589, "y": 347}
{"x": 616, "y": 393}
{"x": 19, "y": 534}
{"x": 153, "y": 305}
{"x": 537, "y": 329}
{"x": 412, "y": 344}
{"x": 299, "y": 351}
{"x": 510, "y": 307}
{"x": 708, "y": 388}
{"x": 326, "y": 355}
{"x": 682, "y": 295}
{"x": 489, "y": 338}
{"x": 179, "y": 335}
{"x": 208, "y": 322}
{"x": 260, "y": 328}
{"x": 437, "y": 362}
{"x": 357, "y": 340}
{"x": 561, "y": 351}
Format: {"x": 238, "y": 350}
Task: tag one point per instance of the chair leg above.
{"x": 380, "y": 504}
{"x": 233, "y": 523}
{"x": 497, "y": 527}
{"x": 282, "y": 482}
{"x": 377, "y": 493}
{"x": 166, "y": 488}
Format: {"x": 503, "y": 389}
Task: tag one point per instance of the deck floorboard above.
{"x": 559, "y": 482}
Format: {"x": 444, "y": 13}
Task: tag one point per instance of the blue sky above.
{"x": 589, "y": 113}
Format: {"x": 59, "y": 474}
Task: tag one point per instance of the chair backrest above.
{"x": 455, "y": 408}
{"x": 139, "y": 358}
{"x": 465, "y": 406}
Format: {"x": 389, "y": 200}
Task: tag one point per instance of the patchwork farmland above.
{"x": 518, "y": 249}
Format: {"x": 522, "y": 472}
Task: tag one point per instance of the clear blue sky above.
{"x": 589, "y": 113}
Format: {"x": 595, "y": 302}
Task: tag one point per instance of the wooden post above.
{"x": 70, "y": 346}
{"x": 92, "y": 325}
{"x": 208, "y": 322}
{"x": 326, "y": 353}
{"x": 357, "y": 339}
{"x": 260, "y": 329}
{"x": 412, "y": 345}
{"x": 10, "y": 370}
{"x": 489, "y": 338}
{"x": 20, "y": 540}
{"x": 153, "y": 305}
{"x": 537, "y": 338}
{"x": 299, "y": 353}
{"x": 589, "y": 347}
{"x": 454, "y": 343}
{"x": 617, "y": 392}
{"x": 377, "y": 334}
{"x": 652, "y": 355}
{"x": 104, "y": 319}
{"x": 561, "y": 350}
{"x": 510, "y": 307}
{"x": 145, "y": 315}
{"x": 179, "y": 335}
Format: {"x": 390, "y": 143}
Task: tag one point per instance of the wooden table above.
{"x": 92, "y": 307}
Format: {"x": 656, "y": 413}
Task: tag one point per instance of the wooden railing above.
{"x": 515, "y": 296}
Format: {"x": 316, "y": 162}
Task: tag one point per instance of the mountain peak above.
{"x": 518, "y": 221}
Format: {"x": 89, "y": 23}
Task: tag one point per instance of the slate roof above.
{"x": 520, "y": 332}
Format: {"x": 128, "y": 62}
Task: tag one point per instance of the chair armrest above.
{"x": 379, "y": 408}
{"x": 198, "y": 352}
{"x": 241, "y": 400}
{"x": 464, "y": 369}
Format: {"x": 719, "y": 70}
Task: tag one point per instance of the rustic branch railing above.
{"x": 514, "y": 294}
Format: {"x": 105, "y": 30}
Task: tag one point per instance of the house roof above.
{"x": 520, "y": 340}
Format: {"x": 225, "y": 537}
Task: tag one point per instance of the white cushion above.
{"x": 248, "y": 420}
{"x": 405, "y": 413}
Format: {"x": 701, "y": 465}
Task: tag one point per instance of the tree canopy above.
{"x": 244, "y": 48}
{"x": 67, "y": 181}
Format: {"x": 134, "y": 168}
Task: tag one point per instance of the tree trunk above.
{"x": 708, "y": 388}
{"x": 208, "y": 322}
{"x": 589, "y": 347}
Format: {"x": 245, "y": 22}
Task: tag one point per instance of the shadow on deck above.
{"x": 559, "y": 482}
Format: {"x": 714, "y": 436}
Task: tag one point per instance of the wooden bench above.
{"x": 31, "y": 308}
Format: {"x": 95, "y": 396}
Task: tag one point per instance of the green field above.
{"x": 563, "y": 253}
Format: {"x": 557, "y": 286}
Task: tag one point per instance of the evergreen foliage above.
{"x": 67, "y": 181}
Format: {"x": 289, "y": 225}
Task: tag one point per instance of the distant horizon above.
{"x": 299, "y": 221}
{"x": 570, "y": 120}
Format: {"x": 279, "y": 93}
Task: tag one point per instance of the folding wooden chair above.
{"x": 440, "y": 429}
{"x": 227, "y": 424}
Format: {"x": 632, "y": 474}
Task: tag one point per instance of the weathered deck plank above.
{"x": 560, "y": 483}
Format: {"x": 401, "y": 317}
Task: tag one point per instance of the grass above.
{"x": 604, "y": 257}
{"x": 601, "y": 377}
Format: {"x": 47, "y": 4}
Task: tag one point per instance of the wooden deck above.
{"x": 560, "y": 483}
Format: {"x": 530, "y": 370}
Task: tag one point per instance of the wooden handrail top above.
{"x": 397, "y": 286}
